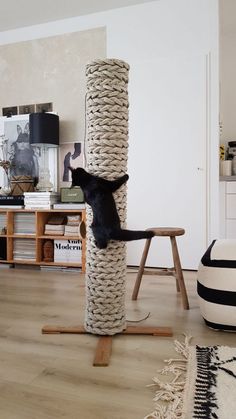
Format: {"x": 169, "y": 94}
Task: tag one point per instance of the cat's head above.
{"x": 79, "y": 176}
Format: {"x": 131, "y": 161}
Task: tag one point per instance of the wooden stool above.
{"x": 176, "y": 271}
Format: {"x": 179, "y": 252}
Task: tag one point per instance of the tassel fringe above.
{"x": 169, "y": 396}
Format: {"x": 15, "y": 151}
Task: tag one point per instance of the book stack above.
{"x": 3, "y": 223}
{"x": 12, "y": 202}
{"x": 67, "y": 251}
{"x": 72, "y": 227}
{"x": 40, "y": 200}
{"x": 24, "y": 249}
{"x": 54, "y": 230}
{"x": 55, "y": 225}
{"x": 72, "y": 230}
{"x": 24, "y": 223}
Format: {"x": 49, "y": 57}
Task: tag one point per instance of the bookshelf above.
{"x": 35, "y": 239}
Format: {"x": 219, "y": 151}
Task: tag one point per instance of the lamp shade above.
{"x": 44, "y": 128}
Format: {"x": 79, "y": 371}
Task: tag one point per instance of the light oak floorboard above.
{"x": 51, "y": 376}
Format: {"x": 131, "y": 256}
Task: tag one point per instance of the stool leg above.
{"x": 141, "y": 269}
{"x": 179, "y": 273}
{"x": 177, "y": 285}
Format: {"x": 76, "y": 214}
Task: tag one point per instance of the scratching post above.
{"x": 107, "y": 144}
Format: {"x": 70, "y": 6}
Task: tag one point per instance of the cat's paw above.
{"x": 126, "y": 177}
{"x": 101, "y": 244}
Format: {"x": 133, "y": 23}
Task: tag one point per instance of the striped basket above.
{"x": 216, "y": 285}
{"x": 21, "y": 184}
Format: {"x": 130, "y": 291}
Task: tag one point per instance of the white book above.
{"x": 69, "y": 206}
{"x": 39, "y": 202}
{"x": 12, "y": 206}
{"x": 34, "y": 207}
{"x": 68, "y": 251}
{"x": 40, "y": 193}
{"x": 54, "y": 227}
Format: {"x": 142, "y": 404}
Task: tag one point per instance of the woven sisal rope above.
{"x": 107, "y": 151}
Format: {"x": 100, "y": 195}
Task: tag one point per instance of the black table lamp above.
{"x": 44, "y": 134}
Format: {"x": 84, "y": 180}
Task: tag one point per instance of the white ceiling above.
{"x": 19, "y": 13}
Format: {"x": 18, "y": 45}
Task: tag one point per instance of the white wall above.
{"x": 143, "y": 35}
{"x": 228, "y": 69}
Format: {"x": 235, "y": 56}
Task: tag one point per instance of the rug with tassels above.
{"x": 199, "y": 385}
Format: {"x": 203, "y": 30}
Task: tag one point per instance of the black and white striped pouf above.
{"x": 217, "y": 285}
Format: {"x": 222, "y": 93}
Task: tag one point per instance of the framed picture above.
{"x": 70, "y": 154}
{"x": 11, "y": 110}
{"x": 25, "y": 109}
{"x": 44, "y": 107}
{"x": 22, "y": 156}
{"x": 25, "y": 159}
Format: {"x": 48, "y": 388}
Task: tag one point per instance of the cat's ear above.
{"x": 71, "y": 168}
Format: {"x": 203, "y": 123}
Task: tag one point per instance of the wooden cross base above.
{"x": 104, "y": 346}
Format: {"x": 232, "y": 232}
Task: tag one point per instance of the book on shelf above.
{"x": 57, "y": 219}
{"x": 40, "y": 200}
{"x": 56, "y": 227}
{"x": 11, "y": 206}
{"x": 53, "y": 233}
{"x": 40, "y": 194}
{"x": 72, "y": 230}
{"x": 38, "y": 207}
{"x": 11, "y": 200}
{"x": 73, "y": 220}
{"x": 24, "y": 223}
{"x": 67, "y": 251}
{"x": 24, "y": 249}
{"x": 61, "y": 205}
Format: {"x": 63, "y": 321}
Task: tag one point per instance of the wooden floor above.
{"x": 51, "y": 376}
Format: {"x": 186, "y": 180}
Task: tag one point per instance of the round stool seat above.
{"x": 167, "y": 231}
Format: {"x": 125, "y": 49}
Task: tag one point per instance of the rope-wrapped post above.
{"x": 107, "y": 154}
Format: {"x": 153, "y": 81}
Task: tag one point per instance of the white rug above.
{"x": 199, "y": 385}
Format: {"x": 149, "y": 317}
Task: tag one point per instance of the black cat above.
{"x": 98, "y": 194}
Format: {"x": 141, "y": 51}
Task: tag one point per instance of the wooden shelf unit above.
{"x": 41, "y": 218}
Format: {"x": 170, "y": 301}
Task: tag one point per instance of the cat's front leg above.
{"x": 100, "y": 237}
{"x": 116, "y": 184}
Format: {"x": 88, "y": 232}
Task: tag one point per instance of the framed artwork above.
{"x": 11, "y": 110}
{"x": 24, "y": 159}
{"x": 25, "y": 109}
{"x": 70, "y": 154}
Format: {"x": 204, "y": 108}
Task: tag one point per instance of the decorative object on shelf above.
{"x": 72, "y": 194}
{"x": 5, "y": 164}
{"x": 225, "y": 167}
{"x": 21, "y": 184}
{"x": 44, "y": 135}
{"x": 222, "y": 151}
{"x": 48, "y": 251}
{"x": 71, "y": 154}
{"x": 234, "y": 166}
{"x": 22, "y": 156}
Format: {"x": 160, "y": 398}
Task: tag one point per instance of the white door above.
{"x": 167, "y": 156}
